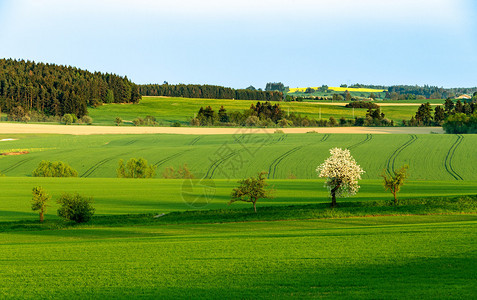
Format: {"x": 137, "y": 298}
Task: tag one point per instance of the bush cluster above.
{"x": 54, "y": 169}
{"x": 74, "y": 207}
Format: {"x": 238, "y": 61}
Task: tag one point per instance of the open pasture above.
{"x": 430, "y": 157}
{"x": 170, "y": 110}
{"x": 134, "y": 196}
{"x": 411, "y": 257}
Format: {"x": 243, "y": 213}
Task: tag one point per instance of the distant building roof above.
{"x": 464, "y": 96}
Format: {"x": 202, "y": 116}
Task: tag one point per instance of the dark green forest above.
{"x": 208, "y": 91}
{"x": 55, "y": 90}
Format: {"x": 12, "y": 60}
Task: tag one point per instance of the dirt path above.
{"x": 15, "y": 128}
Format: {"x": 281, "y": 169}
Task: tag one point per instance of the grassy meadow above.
{"x": 131, "y": 196}
{"x": 295, "y": 246}
{"x": 398, "y": 257}
{"x": 170, "y": 110}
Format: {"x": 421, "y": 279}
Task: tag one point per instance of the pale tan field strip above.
{"x": 14, "y": 128}
{"x": 380, "y": 104}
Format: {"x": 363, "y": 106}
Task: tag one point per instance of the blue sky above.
{"x": 251, "y": 42}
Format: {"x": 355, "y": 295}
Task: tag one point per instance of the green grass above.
{"x": 132, "y": 196}
{"x": 346, "y": 209}
{"x": 430, "y": 157}
{"x": 170, "y": 110}
{"x": 397, "y": 257}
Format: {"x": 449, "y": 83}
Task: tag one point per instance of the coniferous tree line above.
{"x": 208, "y": 91}
{"x": 55, "y": 90}
{"x": 452, "y": 116}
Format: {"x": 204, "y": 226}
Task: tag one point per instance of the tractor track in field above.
{"x": 450, "y": 154}
{"x": 215, "y": 165}
{"x": 130, "y": 142}
{"x": 368, "y": 138}
{"x": 94, "y": 167}
{"x": 194, "y": 141}
{"x": 325, "y": 137}
{"x": 23, "y": 161}
{"x": 272, "y": 169}
{"x": 171, "y": 157}
{"x": 17, "y": 164}
{"x": 392, "y": 159}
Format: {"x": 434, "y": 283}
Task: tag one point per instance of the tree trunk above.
{"x": 395, "y": 199}
{"x": 41, "y": 217}
{"x": 255, "y": 206}
{"x": 333, "y": 196}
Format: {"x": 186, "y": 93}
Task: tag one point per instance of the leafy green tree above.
{"x": 54, "y": 169}
{"x": 75, "y": 207}
{"x": 118, "y": 121}
{"x": 135, "y": 168}
{"x": 393, "y": 182}
{"x": 39, "y": 200}
{"x": 251, "y": 190}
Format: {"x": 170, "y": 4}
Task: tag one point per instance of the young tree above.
{"x": 342, "y": 173}
{"x": 118, "y": 121}
{"x": 251, "y": 189}
{"x": 39, "y": 200}
{"x": 395, "y": 181}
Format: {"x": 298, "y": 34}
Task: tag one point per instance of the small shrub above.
{"x": 182, "y": 173}
{"x": 75, "y": 207}
{"x": 54, "y": 169}
{"x": 87, "y": 120}
{"x": 176, "y": 124}
{"x": 67, "y": 119}
{"x": 118, "y": 121}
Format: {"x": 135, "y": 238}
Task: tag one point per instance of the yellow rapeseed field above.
{"x": 340, "y": 89}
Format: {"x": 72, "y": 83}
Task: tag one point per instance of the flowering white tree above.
{"x": 342, "y": 173}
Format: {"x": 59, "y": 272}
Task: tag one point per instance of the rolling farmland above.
{"x": 430, "y": 157}
{"x": 169, "y": 110}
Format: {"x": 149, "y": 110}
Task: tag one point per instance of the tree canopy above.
{"x": 56, "y": 90}
{"x": 342, "y": 174}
